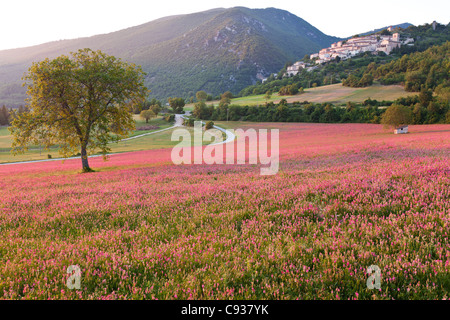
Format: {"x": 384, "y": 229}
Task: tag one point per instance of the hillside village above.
{"x": 349, "y": 48}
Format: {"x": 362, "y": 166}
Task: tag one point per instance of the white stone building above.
{"x": 354, "y": 46}
{"x": 295, "y": 68}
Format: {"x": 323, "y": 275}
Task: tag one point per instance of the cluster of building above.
{"x": 349, "y": 48}
{"x": 352, "y": 47}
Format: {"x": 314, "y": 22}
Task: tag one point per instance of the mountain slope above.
{"x": 215, "y": 51}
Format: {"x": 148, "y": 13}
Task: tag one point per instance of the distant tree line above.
{"x": 424, "y": 109}
{"x": 153, "y": 105}
{"x": 295, "y": 112}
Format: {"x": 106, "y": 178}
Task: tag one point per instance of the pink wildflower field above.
{"x": 347, "y": 196}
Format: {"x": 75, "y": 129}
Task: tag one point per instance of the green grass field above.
{"x": 250, "y": 101}
{"x": 5, "y": 140}
{"x": 335, "y": 93}
{"x": 158, "y": 140}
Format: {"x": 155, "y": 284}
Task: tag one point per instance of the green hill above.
{"x": 215, "y": 51}
{"x": 396, "y": 26}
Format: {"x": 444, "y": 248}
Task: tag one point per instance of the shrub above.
{"x": 188, "y": 122}
{"x": 209, "y": 125}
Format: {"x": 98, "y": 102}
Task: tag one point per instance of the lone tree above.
{"x": 268, "y": 96}
{"x": 225, "y": 99}
{"x": 80, "y": 103}
{"x": 147, "y": 115}
{"x": 396, "y": 116}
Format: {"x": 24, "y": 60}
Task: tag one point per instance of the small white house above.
{"x": 402, "y": 129}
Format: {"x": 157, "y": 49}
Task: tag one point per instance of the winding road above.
{"x": 178, "y": 123}
{"x": 230, "y": 135}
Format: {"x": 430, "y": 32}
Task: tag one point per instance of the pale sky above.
{"x": 30, "y": 22}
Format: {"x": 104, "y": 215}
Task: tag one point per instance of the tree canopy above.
{"x": 80, "y": 103}
{"x": 201, "y": 95}
{"x": 396, "y": 115}
{"x": 177, "y": 104}
{"x": 147, "y": 115}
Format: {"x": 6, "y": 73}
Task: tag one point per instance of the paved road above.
{"x": 178, "y": 123}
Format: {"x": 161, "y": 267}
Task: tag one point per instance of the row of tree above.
{"x": 177, "y": 104}
{"x": 369, "y": 112}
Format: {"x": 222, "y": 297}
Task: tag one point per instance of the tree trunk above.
{"x": 84, "y": 160}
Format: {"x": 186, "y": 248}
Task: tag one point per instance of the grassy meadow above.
{"x": 335, "y": 93}
{"x": 158, "y": 140}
